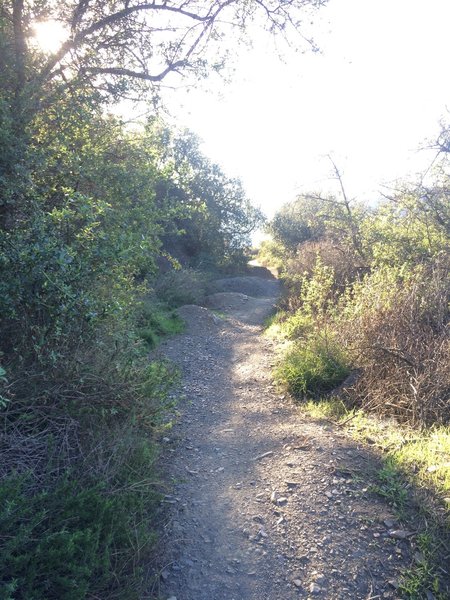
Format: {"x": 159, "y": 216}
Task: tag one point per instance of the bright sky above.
{"x": 371, "y": 98}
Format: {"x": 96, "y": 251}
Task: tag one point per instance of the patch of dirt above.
{"x": 264, "y": 504}
{"x": 245, "y": 309}
{"x": 254, "y": 286}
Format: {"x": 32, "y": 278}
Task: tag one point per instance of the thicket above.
{"x": 90, "y": 210}
{"x": 366, "y": 311}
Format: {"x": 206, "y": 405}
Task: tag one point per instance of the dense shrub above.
{"x": 380, "y": 289}
{"x": 181, "y": 286}
{"x": 73, "y": 540}
{"x": 396, "y": 325}
{"x": 312, "y": 367}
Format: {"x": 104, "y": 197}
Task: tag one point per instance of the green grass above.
{"x": 158, "y": 321}
{"x": 423, "y": 454}
{"x": 311, "y": 368}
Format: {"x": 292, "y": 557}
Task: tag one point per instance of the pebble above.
{"x": 262, "y": 532}
{"x": 314, "y": 588}
{"x": 400, "y": 534}
{"x": 297, "y": 583}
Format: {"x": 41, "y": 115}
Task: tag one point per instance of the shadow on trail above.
{"x": 265, "y": 505}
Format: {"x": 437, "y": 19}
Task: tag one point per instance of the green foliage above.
{"x": 316, "y": 291}
{"x": 297, "y": 326}
{"x": 71, "y": 541}
{"x": 88, "y": 208}
{"x": 272, "y": 254}
{"x": 392, "y": 485}
{"x": 219, "y": 218}
{"x": 181, "y": 286}
{"x": 378, "y": 283}
{"x": 424, "y": 577}
{"x": 400, "y": 232}
{"x": 157, "y": 321}
{"x": 312, "y": 217}
{"x": 290, "y": 226}
{"x": 312, "y": 368}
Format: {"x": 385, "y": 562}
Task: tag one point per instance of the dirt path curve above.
{"x": 265, "y": 503}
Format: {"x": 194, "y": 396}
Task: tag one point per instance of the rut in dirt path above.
{"x": 265, "y": 503}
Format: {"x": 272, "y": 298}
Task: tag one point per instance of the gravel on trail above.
{"x": 263, "y": 503}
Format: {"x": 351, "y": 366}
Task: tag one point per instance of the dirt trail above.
{"x": 265, "y": 503}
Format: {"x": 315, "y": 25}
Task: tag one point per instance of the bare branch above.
{"x": 122, "y": 72}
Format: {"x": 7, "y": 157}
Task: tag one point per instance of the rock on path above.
{"x": 264, "y": 504}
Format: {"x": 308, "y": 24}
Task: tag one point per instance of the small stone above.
{"x": 166, "y": 440}
{"x": 400, "y": 534}
{"x": 262, "y": 532}
{"x": 282, "y": 501}
{"x": 329, "y": 495}
{"x": 320, "y": 578}
{"x": 314, "y": 588}
{"x": 297, "y": 583}
{"x": 273, "y": 497}
{"x": 172, "y": 598}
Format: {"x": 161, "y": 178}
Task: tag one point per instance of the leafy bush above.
{"x": 380, "y": 288}
{"x": 72, "y": 541}
{"x": 156, "y": 321}
{"x": 312, "y": 368}
{"x": 182, "y": 286}
{"x": 297, "y": 326}
{"x": 272, "y": 254}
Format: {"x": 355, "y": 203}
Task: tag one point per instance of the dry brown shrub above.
{"x": 403, "y": 347}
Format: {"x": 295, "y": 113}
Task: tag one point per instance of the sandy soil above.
{"x": 263, "y": 502}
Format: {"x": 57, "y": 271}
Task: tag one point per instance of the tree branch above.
{"x": 81, "y": 36}
{"x": 122, "y": 72}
